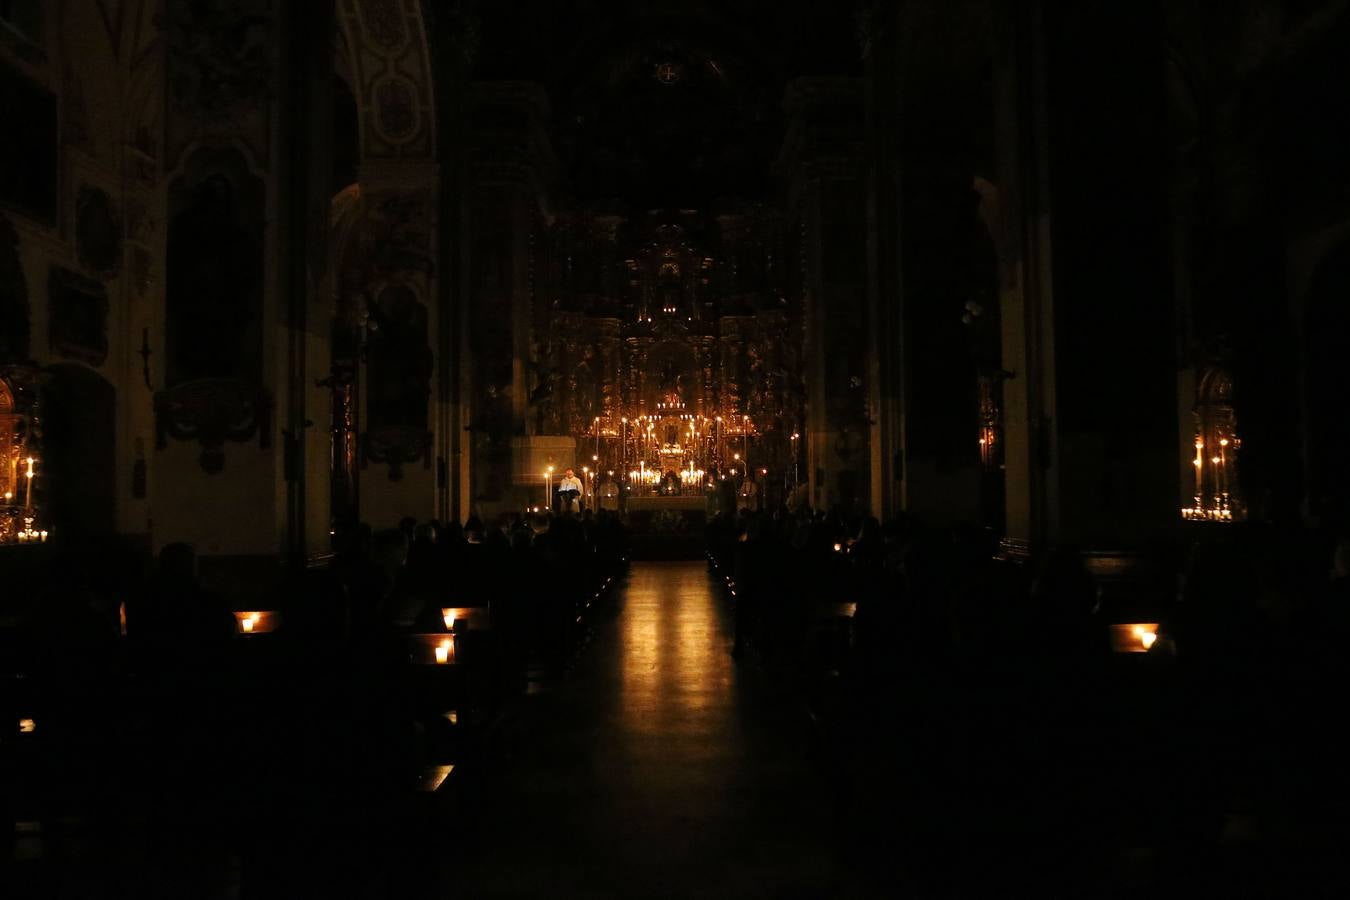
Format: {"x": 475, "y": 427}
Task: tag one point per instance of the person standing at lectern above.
{"x": 569, "y": 489}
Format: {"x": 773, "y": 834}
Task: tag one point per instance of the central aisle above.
{"x": 659, "y": 769}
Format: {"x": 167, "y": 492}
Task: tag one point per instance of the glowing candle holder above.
{"x": 445, "y": 651}
{"x": 256, "y": 621}
{"x": 1134, "y": 637}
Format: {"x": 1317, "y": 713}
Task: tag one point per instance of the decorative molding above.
{"x": 212, "y": 411}
{"x": 391, "y": 77}
{"x": 396, "y": 446}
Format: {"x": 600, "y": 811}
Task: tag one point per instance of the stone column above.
{"x": 822, "y": 156}
{"x": 1087, "y": 294}
{"x": 306, "y": 120}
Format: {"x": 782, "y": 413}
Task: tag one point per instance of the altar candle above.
{"x": 1199, "y": 474}
{"x": 28, "y": 502}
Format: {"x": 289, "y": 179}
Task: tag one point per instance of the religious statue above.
{"x": 671, "y": 383}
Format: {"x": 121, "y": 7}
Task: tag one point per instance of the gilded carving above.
{"x": 383, "y": 21}
{"x": 396, "y": 110}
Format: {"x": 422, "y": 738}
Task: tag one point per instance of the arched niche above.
{"x": 214, "y": 285}
{"x": 213, "y": 307}
{"x": 79, "y": 451}
{"x": 671, "y": 374}
{"x": 399, "y": 369}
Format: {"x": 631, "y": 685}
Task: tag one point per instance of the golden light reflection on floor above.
{"x": 674, "y": 658}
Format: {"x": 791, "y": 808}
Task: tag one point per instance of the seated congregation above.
{"x": 311, "y": 736}
{"x": 979, "y": 726}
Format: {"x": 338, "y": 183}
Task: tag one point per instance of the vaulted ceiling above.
{"x": 666, "y": 103}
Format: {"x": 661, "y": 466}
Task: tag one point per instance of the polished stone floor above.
{"x": 659, "y": 768}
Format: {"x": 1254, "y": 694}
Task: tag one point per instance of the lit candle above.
{"x": 1199, "y": 475}
{"x": 249, "y": 621}
{"x": 28, "y": 503}
{"x": 449, "y": 616}
{"x": 1223, "y": 469}
{"x": 443, "y": 651}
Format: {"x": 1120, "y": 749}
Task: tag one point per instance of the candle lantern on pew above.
{"x": 445, "y": 650}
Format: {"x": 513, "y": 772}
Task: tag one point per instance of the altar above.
{"x": 664, "y": 526}
{"x": 658, "y": 502}
{"x": 681, "y": 405}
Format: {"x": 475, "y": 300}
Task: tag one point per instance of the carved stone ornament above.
{"x": 220, "y": 56}
{"x": 212, "y": 411}
{"x": 397, "y": 108}
{"x": 383, "y": 20}
{"x": 396, "y": 446}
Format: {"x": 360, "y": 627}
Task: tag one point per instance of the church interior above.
{"x": 673, "y": 448}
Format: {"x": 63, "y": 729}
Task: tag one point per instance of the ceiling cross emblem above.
{"x": 668, "y": 72}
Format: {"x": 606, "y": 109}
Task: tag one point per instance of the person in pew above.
{"x": 374, "y": 583}
{"x": 176, "y": 615}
